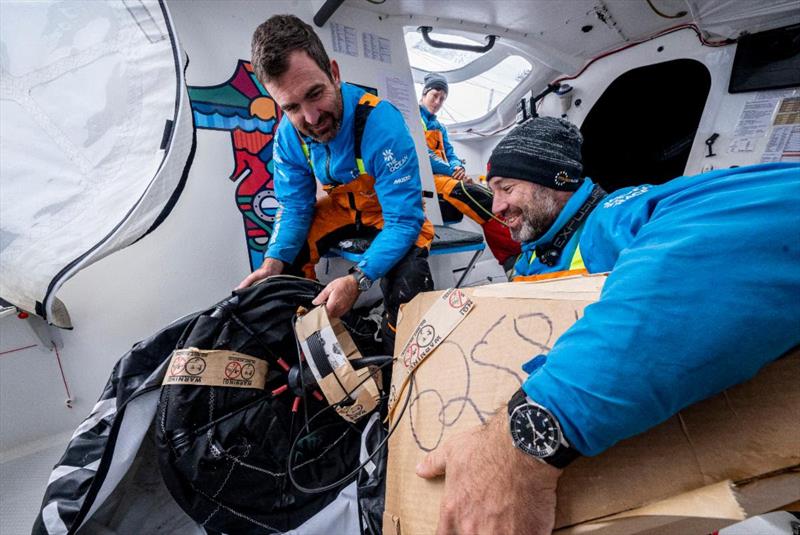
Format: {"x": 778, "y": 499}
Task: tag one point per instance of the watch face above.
{"x": 364, "y": 283}
{"x": 534, "y": 430}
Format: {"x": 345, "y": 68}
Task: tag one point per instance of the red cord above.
{"x": 614, "y": 51}
{"x": 63, "y": 377}
{"x": 17, "y": 349}
{"x": 659, "y": 34}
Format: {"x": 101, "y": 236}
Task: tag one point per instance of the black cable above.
{"x": 677, "y": 15}
{"x": 477, "y": 204}
{"x": 300, "y": 365}
{"x": 355, "y": 472}
{"x": 361, "y": 466}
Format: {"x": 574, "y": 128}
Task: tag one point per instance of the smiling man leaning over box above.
{"x": 359, "y": 147}
{"x": 704, "y": 291}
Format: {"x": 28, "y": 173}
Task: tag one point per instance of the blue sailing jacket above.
{"x": 389, "y": 156}
{"x": 704, "y": 290}
{"x": 438, "y": 165}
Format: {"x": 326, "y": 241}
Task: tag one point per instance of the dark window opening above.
{"x": 642, "y": 128}
{"x": 767, "y": 60}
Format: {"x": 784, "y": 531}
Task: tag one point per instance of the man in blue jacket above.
{"x": 457, "y": 194}
{"x": 359, "y": 148}
{"x": 704, "y": 291}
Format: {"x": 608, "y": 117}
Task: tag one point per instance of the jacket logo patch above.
{"x": 635, "y": 192}
{"x": 392, "y": 163}
{"x": 402, "y": 179}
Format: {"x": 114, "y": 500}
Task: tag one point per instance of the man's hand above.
{"x": 338, "y": 296}
{"x": 271, "y": 266}
{"x": 459, "y": 173}
{"x": 490, "y": 486}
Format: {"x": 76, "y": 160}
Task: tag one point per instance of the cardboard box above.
{"x": 713, "y": 464}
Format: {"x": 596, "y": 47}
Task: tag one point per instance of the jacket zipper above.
{"x": 328, "y": 163}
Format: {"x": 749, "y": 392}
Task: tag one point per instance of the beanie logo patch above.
{"x": 562, "y": 178}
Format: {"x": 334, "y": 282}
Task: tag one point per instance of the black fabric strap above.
{"x": 562, "y": 457}
{"x": 360, "y": 123}
{"x": 317, "y": 349}
{"x": 351, "y": 198}
{"x": 549, "y": 254}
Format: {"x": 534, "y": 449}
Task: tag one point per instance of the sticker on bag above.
{"x": 198, "y": 367}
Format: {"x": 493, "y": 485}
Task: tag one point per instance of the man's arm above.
{"x": 456, "y": 166}
{"x": 390, "y": 156}
{"x": 295, "y": 190}
{"x": 680, "y": 319}
{"x": 682, "y": 315}
{"x": 438, "y": 166}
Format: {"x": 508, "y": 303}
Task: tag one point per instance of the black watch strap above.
{"x": 565, "y": 453}
{"x": 364, "y": 282}
{"x": 562, "y": 457}
{"x": 516, "y": 400}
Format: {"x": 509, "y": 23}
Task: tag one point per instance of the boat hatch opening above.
{"x": 642, "y": 128}
{"x": 479, "y": 81}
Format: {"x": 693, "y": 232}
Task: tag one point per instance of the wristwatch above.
{"x": 537, "y": 432}
{"x": 364, "y": 282}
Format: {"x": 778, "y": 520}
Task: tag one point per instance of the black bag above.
{"x": 223, "y": 451}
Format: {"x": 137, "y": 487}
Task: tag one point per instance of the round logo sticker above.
{"x": 411, "y": 354}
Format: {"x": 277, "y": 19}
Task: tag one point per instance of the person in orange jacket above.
{"x": 458, "y": 195}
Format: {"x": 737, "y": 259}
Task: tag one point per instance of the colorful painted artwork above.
{"x": 243, "y": 107}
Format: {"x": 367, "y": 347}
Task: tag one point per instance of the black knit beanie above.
{"x": 544, "y": 150}
{"x": 435, "y": 80}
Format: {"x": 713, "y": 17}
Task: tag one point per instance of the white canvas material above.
{"x": 85, "y": 98}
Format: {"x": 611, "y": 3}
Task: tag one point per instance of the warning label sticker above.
{"x": 199, "y": 367}
{"x": 438, "y": 322}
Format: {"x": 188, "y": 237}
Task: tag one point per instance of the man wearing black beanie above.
{"x": 535, "y": 173}
{"x": 669, "y": 329}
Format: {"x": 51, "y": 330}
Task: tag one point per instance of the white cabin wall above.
{"x": 199, "y": 252}
{"x": 476, "y": 151}
{"x": 722, "y": 109}
{"x": 471, "y": 152}
{"x": 720, "y": 115}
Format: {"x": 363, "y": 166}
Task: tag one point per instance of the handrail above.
{"x": 325, "y": 11}
{"x": 426, "y": 30}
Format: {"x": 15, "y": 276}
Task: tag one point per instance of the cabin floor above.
{"x": 24, "y": 472}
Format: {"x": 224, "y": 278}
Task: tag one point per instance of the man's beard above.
{"x": 537, "y": 217}
{"x": 335, "y": 119}
{"x": 330, "y": 133}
